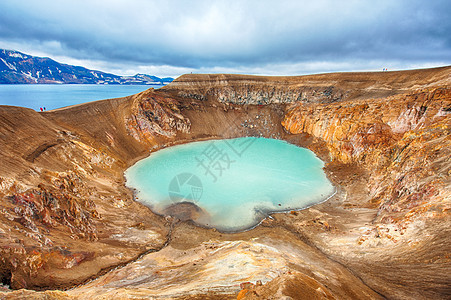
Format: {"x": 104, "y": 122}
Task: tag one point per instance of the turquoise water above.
{"x": 52, "y": 96}
{"x": 235, "y": 182}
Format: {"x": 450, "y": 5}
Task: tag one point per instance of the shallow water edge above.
{"x": 264, "y": 198}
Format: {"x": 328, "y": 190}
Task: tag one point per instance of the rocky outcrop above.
{"x": 322, "y": 88}
{"x": 405, "y": 145}
{"x": 252, "y": 90}
{"x": 156, "y": 116}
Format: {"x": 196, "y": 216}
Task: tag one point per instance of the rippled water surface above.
{"x": 230, "y": 184}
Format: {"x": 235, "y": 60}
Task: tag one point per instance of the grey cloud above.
{"x": 232, "y": 34}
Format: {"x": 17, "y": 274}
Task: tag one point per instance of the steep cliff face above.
{"x": 154, "y": 116}
{"x": 322, "y": 88}
{"x": 402, "y": 144}
{"x": 404, "y": 140}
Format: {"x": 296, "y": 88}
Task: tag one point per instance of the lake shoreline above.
{"x": 153, "y": 190}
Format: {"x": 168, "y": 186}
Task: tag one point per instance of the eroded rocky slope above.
{"x": 67, "y": 217}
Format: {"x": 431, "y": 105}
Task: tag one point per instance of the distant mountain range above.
{"x": 17, "y": 67}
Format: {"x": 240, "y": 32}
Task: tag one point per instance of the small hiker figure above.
{"x": 44, "y": 108}
{"x": 41, "y": 109}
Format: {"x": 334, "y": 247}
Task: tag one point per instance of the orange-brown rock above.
{"x": 66, "y": 216}
{"x": 405, "y": 143}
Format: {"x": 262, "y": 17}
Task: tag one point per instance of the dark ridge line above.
{"x": 39, "y": 150}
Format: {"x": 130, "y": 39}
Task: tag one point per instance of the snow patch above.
{"x": 15, "y": 54}
{"x": 28, "y": 74}
{"x": 10, "y": 66}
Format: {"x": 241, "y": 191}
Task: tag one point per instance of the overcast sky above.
{"x": 169, "y": 38}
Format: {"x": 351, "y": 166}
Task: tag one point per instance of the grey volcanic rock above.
{"x": 322, "y": 88}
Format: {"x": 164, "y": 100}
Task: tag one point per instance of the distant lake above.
{"x": 52, "y": 96}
